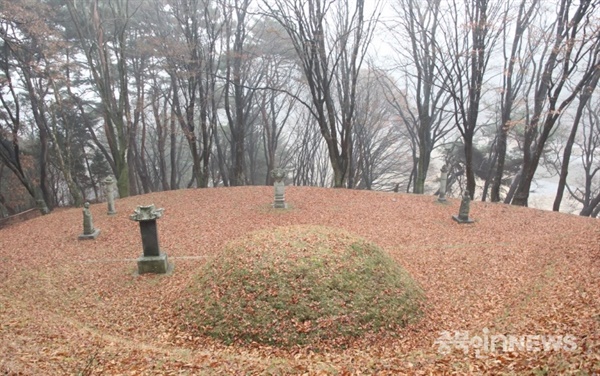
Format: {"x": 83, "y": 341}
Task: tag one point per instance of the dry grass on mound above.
{"x": 300, "y": 285}
{"x": 69, "y": 306}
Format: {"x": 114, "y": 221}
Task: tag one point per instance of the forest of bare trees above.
{"x": 359, "y": 94}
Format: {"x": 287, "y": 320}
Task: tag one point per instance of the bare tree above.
{"x": 275, "y": 110}
{"x": 378, "y": 149}
{"x": 61, "y": 114}
{"x": 102, "y": 29}
{"x": 584, "y": 98}
{"x": 191, "y": 54}
{"x": 515, "y": 64}
{"x": 568, "y": 67}
{"x": 589, "y": 195}
{"x": 160, "y": 97}
{"x": 307, "y": 155}
{"x": 469, "y": 51}
{"x": 330, "y": 39}
{"x": 422, "y": 105}
{"x": 241, "y": 79}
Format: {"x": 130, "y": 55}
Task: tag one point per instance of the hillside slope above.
{"x": 69, "y": 306}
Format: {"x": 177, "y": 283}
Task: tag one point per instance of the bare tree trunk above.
{"x": 511, "y": 82}
{"x": 568, "y": 49}
{"x": 331, "y": 60}
{"x": 465, "y": 68}
{"x": 103, "y": 56}
{"x": 62, "y": 165}
{"x": 584, "y": 98}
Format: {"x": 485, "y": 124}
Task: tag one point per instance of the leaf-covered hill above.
{"x": 69, "y": 306}
{"x": 300, "y": 285}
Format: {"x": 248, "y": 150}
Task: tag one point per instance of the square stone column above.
{"x": 463, "y": 213}
{"x": 443, "y": 183}
{"x": 109, "y": 187}
{"x": 278, "y": 174}
{"x": 149, "y": 234}
{"x": 153, "y": 260}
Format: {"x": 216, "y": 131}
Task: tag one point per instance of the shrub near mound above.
{"x": 299, "y": 285}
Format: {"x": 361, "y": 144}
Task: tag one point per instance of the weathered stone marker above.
{"x": 279, "y": 174}
{"x": 109, "y": 187}
{"x": 42, "y": 207}
{"x": 89, "y": 232}
{"x": 463, "y": 212}
{"x": 443, "y": 182}
{"x": 153, "y": 260}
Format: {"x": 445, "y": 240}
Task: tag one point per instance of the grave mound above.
{"x": 299, "y": 285}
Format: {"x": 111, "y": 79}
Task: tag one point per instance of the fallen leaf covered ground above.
{"x": 77, "y": 307}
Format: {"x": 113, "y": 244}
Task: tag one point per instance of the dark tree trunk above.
{"x": 584, "y": 98}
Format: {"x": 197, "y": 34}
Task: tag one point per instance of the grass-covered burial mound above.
{"x": 299, "y": 285}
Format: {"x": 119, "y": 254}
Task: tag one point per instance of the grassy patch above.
{"x": 299, "y": 285}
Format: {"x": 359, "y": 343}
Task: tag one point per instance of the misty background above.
{"x": 358, "y": 94}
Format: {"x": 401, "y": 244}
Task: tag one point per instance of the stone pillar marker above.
{"x": 42, "y": 207}
{"x": 279, "y": 174}
{"x": 443, "y": 183}
{"x": 153, "y": 260}
{"x": 110, "y": 196}
{"x": 463, "y": 212}
{"x": 89, "y": 232}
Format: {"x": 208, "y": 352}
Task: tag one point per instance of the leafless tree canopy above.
{"x": 169, "y": 94}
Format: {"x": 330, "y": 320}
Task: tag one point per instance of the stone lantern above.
{"x": 278, "y": 174}
{"x": 443, "y": 183}
{"x": 109, "y": 186}
{"x": 153, "y": 260}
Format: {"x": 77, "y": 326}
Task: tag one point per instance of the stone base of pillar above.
{"x": 280, "y": 205}
{"x": 461, "y": 220}
{"x": 91, "y": 236}
{"x": 153, "y": 264}
{"x": 442, "y": 199}
{"x": 111, "y": 212}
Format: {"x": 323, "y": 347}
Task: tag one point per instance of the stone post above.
{"x": 109, "y": 188}
{"x": 443, "y": 183}
{"x": 153, "y": 260}
{"x": 89, "y": 232}
{"x": 278, "y": 175}
{"x": 42, "y": 207}
{"x": 463, "y": 212}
